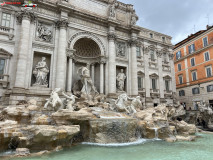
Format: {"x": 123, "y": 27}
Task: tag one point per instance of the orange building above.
{"x": 193, "y": 59}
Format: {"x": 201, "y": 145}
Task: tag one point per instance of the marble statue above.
{"x": 40, "y": 72}
{"x": 136, "y": 104}
{"x": 120, "y": 105}
{"x": 86, "y": 80}
{"x": 70, "y": 101}
{"x": 112, "y": 11}
{"x": 54, "y": 101}
{"x": 44, "y": 33}
{"x": 133, "y": 20}
{"x": 121, "y": 77}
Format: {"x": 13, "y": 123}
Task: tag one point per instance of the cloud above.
{"x": 176, "y": 18}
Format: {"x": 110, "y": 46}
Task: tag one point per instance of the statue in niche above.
{"x": 40, "y": 72}
{"x": 121, "y": 77}
{"x": 86, "y": 80}
{"x": 44, "y": 33}
{"x": 112, "y": 11}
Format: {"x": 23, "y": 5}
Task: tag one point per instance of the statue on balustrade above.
{"x": 88, "y": 86}
{"x": 40, "y": 72}
{"x": 121, "y": 77}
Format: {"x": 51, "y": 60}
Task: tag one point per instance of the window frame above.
{"x": 205, "y": 56}
{"x": 207, "y": 72}
{"x": 138, "y": 50}
{"x": 140, "y": 83}
{"x": 180, "y": 76}
{"x": 208, "y": 89}
{"x": 6, "y": 20}
{"x": 179, "y": 55}
{"x": 179, "y": 68}
{"x": 156, "y": 87}
{"x": 167, "y": 89}
{"x": 193, "y": 89}
{"x": 152, "y": 51}
{"x": 192, "y": 49}
{"x": 182, "y": 93}
{"x": 206, "y": 41}
{"x": 4, "y": 67}
{"x": 191, "y": 61}
{"x": 195, "y": 71}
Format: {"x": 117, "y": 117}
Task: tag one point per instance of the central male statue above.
{"x": 88, "y": 85}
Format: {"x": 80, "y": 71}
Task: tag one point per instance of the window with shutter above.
{"x": 195, "y": 90}
{"x": 179, "y": 67}
{"x": 194, "y": 76}
{"x": 193, "y": 62}
{"x": 180, "y": 79}
{"x": 205, "y": 42}
{"x": 154, "y": 85}
{"x": 178, "y": 55}
{"x": 181, "y": 93}
{"x": 140, "y": 83}
{"x": 210, "y": 88}
{"x": 191, "y": 48}
{"x": 167, "y": 85}
{"x": 208, "y": 71}
{"x": 206, "y": 54}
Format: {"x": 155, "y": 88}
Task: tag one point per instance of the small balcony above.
{"x": 4, "y": 80}
{"x": 155, "y": 93}
{"x": 7, "y": 31}
{"x": 142, "y": 91}
{"x": 168, "y": 94}
{"x": 152, "y": 63}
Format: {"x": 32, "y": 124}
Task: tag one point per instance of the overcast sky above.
{"x": 176, "y": 18}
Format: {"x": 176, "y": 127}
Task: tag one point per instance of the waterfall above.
{"x": 156, "y": 133}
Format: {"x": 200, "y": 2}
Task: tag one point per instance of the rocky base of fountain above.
{"x": 29, "y": 128}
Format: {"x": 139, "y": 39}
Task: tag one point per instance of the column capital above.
{"x": 62, "y": 24}
{"x": 159, "y": 53}
{"x": 25, "y": 14}
{"x": 112, "y": 36}
{"x": 133, "y": 42}
{"x": 70, "y": 53}
{"x": 102, "y": 60}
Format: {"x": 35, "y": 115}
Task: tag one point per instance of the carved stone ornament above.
{"x": 25, "y": 14}
{"x": 159, "y": 53}
{"x": 147, "y": 49}
{"x": 112, "y": 11}
{"x": 134, "y": 42}
{"x": 62, "y": 23}
{"x": 121, "y": 49}
{"x": 112, "y": 36}
{"x": 171, "y": 56}
{"x": 44, "y": 33}
{"x": 70, "y": 53}
{"x": 134, "y": 19}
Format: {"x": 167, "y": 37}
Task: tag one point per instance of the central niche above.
{"x": 87, "y": 48}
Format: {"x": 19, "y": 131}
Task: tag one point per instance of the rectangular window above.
{"x": 140, "y": 83}
{"x": 5, "y": 20}
{"x": 167, "y": 85}
{"x": 193, "y": 62}
{"x": 178, "y": 55}
{"x": 180, "y": 79}
{"x": 208, "y": 71}
{"x": 195, "y": 90}
{"x": 152, "y": 56}
{"x": 154, "y": 84}
{"x": 2, "y": 65}
{"x": 191, "y": 48}
{"x": 138, "y": 51}
{"x": 210, "y": 88}
{"x": 206, "y": 55}
{"x": 179, "y": 67}
{"x": 205, "y": 42}
{"x": 181, "y": 93}
{"x": 194, "y": 76}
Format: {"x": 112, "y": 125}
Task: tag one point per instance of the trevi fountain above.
{"x": 81, "y": 81}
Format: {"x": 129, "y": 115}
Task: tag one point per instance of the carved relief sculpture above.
{"x": 121, "y": 49}
{"x": 121, "y": 77}
{"x": 112, "y": 11}
{"x": 134, "y": 19}
{"x": 40, "y": 72}
{"x": 44, "y": 33}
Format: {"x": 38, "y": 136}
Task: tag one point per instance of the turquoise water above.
{"x": 201, "y": 149}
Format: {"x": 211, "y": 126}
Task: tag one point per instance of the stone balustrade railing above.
{"x": 4, "y": 80}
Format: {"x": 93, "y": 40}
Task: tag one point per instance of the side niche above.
{"x": 121, "y": 79}
{"x": 41, "y": 70}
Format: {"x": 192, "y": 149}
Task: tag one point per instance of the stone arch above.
{"x": 87, "y": 35}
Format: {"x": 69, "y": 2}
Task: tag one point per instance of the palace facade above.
{"x": 72, "y": 33}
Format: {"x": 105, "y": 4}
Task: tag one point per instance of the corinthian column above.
{"x": 61, "y": 56}
{"x": 160, "y": 74}
{"x": 112, "y": 66}
{"x": 24, "y": 18}
{"x": 70, "y": 70}
{"x": 134, "y": 74}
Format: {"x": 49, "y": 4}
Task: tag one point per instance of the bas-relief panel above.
{"x": 122, "y": 17}
{"x": 122, "y": 34}
{"x": 92, "y": 6}
{"x": 89, "y": 24}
